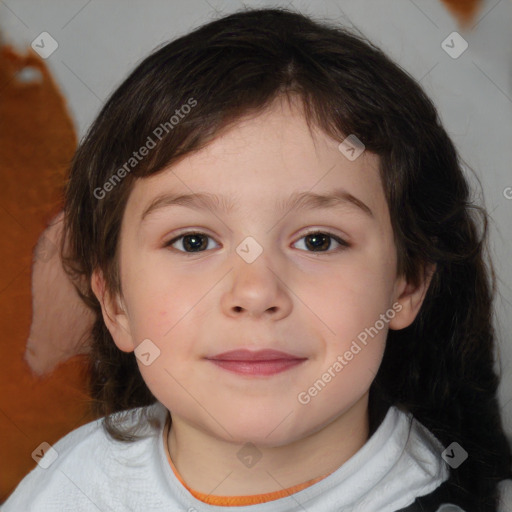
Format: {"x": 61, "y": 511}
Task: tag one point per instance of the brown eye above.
{"x": 320, "y": 241}
{"x": 316, "y": 241}
{"x": 190, "y": 242}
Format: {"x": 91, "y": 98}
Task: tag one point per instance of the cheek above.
{"x": 343, "y": 382}
{"x": 169, "y": 311}
{"x": 161, "y": 297}
{"x": 353, "y": 297}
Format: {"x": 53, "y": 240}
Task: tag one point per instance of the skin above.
{"x": 291, "y": 298}
{"x": 60, "y": 320}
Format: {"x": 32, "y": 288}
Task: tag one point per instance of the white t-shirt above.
{"x": 93, "y": 473}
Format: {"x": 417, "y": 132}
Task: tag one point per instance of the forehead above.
{"x": 262, "y": 162}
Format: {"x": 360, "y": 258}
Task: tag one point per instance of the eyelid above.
{"x": 340, "y": 239}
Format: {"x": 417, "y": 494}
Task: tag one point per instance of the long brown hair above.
{"x": 441, "y": 367}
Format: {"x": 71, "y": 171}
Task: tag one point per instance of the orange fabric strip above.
{"x": 230, "y": 501}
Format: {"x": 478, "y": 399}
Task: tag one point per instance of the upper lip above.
{"x": 259, "y": 355}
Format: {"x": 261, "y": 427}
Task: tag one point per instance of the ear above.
{"x": 411, "y": 298}
{"x": 114, "y": 313}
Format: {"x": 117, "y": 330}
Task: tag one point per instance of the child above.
{"x": 293, "y": 308}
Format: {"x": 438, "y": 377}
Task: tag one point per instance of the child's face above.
{"x": 312, "y": 304}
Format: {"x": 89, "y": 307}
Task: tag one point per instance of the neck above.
{"x": 211, "y": 465}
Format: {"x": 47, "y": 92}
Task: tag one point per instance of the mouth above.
{"x": 260, "y": 363}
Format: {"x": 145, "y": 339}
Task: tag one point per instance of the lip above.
{"x": 260, "y": 363}
{"x": 258, "y": 355}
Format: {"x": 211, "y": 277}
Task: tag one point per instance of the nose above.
{"x": 257, "y": 289}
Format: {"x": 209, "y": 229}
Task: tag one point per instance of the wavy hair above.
{"x": 440, "y": 368}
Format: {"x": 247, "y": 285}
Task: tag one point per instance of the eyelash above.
{"x": 343, "y": 244}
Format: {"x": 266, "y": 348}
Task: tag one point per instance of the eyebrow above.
{"x": 298, "y": 200}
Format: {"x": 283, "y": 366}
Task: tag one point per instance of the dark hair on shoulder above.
{"x": 440, "y": 367}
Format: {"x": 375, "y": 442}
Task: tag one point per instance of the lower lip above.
{"x": 258, "y": 367}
